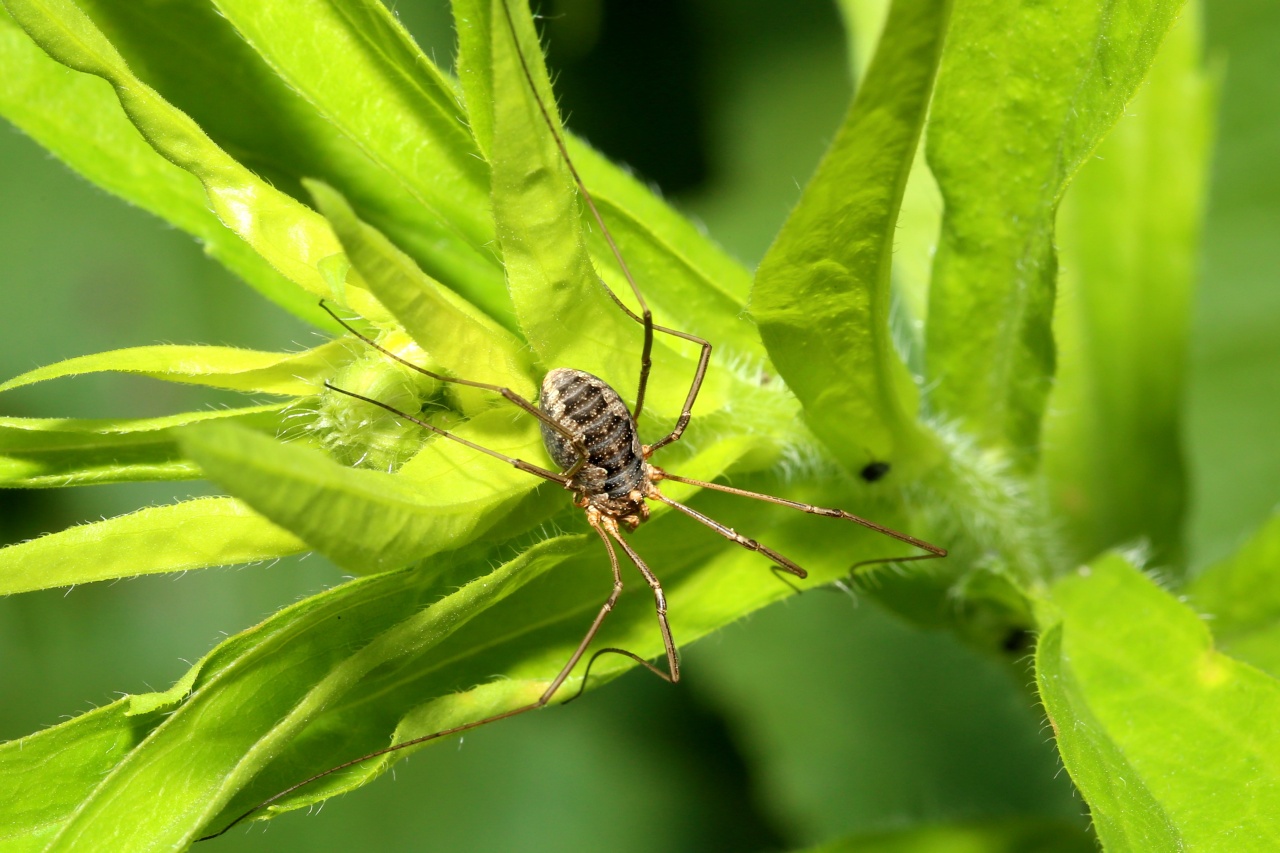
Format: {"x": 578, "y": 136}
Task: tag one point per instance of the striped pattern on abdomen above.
{"x": 594, "y": 413}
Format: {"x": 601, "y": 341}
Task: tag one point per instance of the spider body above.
{"x": 614, "y": 477}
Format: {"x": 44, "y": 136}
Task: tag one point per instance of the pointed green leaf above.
{"x": 1024, "y": 96}
{"x": 368, "y": 521}
{"x": 566, "y": 316}
{"x": 690, "y": 283}
{"x": 194, "y": 534}
{"x": 299, "y": 374}
{"x": 1241, "y": 597}
{"x": 290, "y": 236}
{"x": 821, "y": 295}
{"x": 1130, "y": 236}
{"x": 453, "y": 332}
{"x": 263, "y": 700}
{"x": 80, "y": 120}
{"x": 415, "y": 172}
{"x": 473, "y": 19}
{"x": 55, "y": 452}
{"x": 1169, "y": 740}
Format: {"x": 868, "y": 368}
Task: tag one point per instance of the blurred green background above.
{"x": 815, "y": 718}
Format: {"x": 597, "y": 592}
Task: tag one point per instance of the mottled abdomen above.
{"x": 593, "y": 412}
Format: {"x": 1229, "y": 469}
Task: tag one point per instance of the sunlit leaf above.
{"x": 194, "y": 534}
{"x": 370, "y": 521}
{"x": 291, "y": 237}
{"x": 54, "y": 452}
{"x": 1130, "y": 236}
{"x": 457, "y": 336}
{"x": 298, "y": 374}
{"x": 314, "y": 655}
{"x": 1167, "y": 738}
{"x": 80, "y": 120}
{"x": 416, "y": 175}
{"x": 1024, "y": 96}
{"x": 822, "y": 292}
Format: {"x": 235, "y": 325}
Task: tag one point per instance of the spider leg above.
{"x": 507, "y": 393}
{"x": 729, "y": 533}
{"x": 934, "y": 551}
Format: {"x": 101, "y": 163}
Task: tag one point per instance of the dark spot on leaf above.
{"x": 874, "y": 471}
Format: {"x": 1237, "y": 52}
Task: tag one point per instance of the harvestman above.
{"x": 592, "y": 436}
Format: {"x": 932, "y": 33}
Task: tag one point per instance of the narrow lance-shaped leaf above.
{"x": 194, "y": 534}
{"x": 56, "y": 452}
{"x": 80, "y": 120}
{"x": 263, "y": 700}
{"x": 701, "y": 289}
{"x": 455, "y": 333}
{"x": 416, "y": 173}
{"x": 566, "y": 316}
{"x": 1169, "y": 740}
{"x": 1130, "y": 233}
{"x": 370, "y": 521}
{"x": 293, "y": 238}
{"x": 299, "y": 374}
{"x": 1025, "y": 93}
{"x": 822, "y": 295}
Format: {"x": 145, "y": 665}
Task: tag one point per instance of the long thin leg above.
{"x": 660, "y": 602}
{"x": 532, "y": 706}
{"x": 935, "y": 552}
{"x": 645, "y": 317}
{"x": 574, "y": 442}
{"x": 528, "y": 467}
{"x": 729, "y": 533}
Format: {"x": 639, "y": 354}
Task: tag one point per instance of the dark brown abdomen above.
{"x": 594, "y": 413}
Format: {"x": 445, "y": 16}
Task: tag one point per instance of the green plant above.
{"x": 410, "y": 203}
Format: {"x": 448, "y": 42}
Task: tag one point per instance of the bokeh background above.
{"x": 811, "y": 720}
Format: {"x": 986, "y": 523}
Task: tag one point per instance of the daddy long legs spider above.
{"x": 594, "y": 439}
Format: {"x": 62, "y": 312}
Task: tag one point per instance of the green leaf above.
{"x": 1129, "y": 242}
{"x": 454, "y": 333}
{"x": 80, "y": 120}
{"x": 1011, "y": 835}
{"x": 414, "y": 172}
{"x": 330, "y": 677}
{"x": 689, "y": 282}
{"x": 194, "y": 534}
{"x": 1169, "y": 740}
{"x": 299, "y": 374}
{"x": 55, "y": 452}
{"x": 291, "y": 237}
{"x": 47, "y": 775}
{"x": 821, "y": 295}
{"x": 566, "y": 316}
{"x": 1024, "y": 96}
{"x": 1241, "y": 596}
{"x": 312, "y": 656}
{"x": 369, "y": 521}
